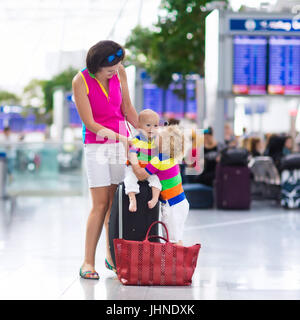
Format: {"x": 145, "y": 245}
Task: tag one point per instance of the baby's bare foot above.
{"x": 152, "y": 203}
{"x": 132, "y": 205}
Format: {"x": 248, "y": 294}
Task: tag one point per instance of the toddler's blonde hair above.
{"x": 172, "y": 141}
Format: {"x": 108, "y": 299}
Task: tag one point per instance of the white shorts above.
{"x": 174, "y": 218}
{"x": 105, "y": 163}
{"x": 131, "y": 181}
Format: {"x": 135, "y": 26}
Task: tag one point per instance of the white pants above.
{"x": 131, "y": 181}
{"x": 174, "y": 218}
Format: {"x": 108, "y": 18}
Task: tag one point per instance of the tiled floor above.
{"x": 245, "y": 254}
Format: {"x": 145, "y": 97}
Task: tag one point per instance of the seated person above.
{"x": 288, "y": 146}
{"x": 256, "y": 147}
{"x": 211, "y": 157}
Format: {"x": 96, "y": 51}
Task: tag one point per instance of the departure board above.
{"x": 284, "y": 65}
{"x": 191, "y": 104}
{"x": 153, "y": 97}
{"x": 174, "y": 103}
{"x": 250, "y": 60}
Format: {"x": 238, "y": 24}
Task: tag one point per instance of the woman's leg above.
{"x": 111, "y": 193}
{"x": 100, "y": 203}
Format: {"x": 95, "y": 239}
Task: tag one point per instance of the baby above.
{"x": 143, "y": 149}
{"x": 165, "y": 165}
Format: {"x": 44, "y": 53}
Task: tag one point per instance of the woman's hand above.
{"x": 127, "y": 143}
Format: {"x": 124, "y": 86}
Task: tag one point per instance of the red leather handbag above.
{"x": 154, "y": 263}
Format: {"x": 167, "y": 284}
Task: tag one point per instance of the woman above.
{"x": 288, "y": 145}
{"x": 211, "y": 157}
{"x": 102, "y": 99}
{"x": 256, "y": 147}
{"x": 274, "y": 149}
{"x": 229, "y": 137}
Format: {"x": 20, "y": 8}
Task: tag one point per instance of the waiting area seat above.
{"x": 199, "y": 196}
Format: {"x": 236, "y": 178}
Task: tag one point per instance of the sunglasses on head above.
{"x": 113, "y": 56}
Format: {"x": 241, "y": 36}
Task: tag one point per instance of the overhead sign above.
{"x": 282, "y": 25}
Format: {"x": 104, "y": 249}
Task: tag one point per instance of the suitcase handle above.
{"x": 155, "y": 237}
{"x": 154, "y": 223}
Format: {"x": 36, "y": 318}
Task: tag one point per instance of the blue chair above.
{"x": 199, "y": 195}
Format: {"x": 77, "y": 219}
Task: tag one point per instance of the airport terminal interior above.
{"x": 233, "y": 91}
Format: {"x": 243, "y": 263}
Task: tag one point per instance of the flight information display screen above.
{"x": 153, "y": 97}
{"x": 266, "y": 65}
{"x": 250, "y": 60}
{"x": 174, "y": 104}
{"x": 284, "y": 65}
{"x": 191, "y": 103}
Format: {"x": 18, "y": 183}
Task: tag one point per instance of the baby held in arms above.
{"x": 141, "y": 152}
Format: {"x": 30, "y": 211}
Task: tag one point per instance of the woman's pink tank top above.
{"x": 106, "y": 108}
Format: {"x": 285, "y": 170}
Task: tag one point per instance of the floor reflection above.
{"x": 7, "y": 210}
{"x": 251, "y": 254}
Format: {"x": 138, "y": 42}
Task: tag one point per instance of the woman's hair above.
{"x": 172, "y": 122}
{"x": 173, "y": 142}
{"x": 97, "y": 56}
{"x": 247, "y": 143}
{"x": 275, "y": 145}
{"x": 253, "y": 144}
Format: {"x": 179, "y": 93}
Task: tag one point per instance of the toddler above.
{"x": 175, "y": 206}
{"x": 143, "y": 149}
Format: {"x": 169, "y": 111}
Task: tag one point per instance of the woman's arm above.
{"x": 85, "y": 112}
{"x": 127, "y": 107}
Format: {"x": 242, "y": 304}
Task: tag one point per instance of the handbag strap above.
{"x": 157, "y": 237}
{"x": 153, "y": 224}
{"x": 125, "y": 113}
{"x": 128, "y": 126}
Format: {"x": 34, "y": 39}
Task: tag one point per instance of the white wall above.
{"x": 275, "y": 120}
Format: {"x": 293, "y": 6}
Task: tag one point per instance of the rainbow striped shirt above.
{"x": 144, "y": 148}
{"x": 168, "y": 172}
